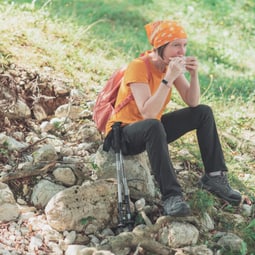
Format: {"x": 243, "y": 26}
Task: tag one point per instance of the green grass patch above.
{"x": 202, "y": 202}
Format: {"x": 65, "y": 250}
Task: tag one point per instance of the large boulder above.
{"x": 89, "y": 207}
{"x": 137, "y": 170}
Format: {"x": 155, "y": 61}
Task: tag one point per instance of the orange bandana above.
{"x": 162, "y": 32}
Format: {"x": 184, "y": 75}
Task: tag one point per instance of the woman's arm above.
{"x": 150, "y": 105}
{"x": 189, "y": 91}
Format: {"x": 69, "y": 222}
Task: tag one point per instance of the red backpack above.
{"x": 105, "y": 102}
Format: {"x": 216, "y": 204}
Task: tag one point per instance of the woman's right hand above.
{"x": 176, "y": 67}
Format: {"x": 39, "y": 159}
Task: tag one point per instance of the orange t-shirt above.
{"x": 136, "y": 72}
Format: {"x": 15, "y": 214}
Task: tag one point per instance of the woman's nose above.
{"x": 182, "y": 50}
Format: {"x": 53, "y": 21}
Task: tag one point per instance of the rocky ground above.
{"x": 39, "y": 109}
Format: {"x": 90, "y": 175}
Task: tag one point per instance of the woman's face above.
{"x": 176, "y": 48}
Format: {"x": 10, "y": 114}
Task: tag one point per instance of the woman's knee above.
{"x": 204, "y": 109}
{"x": 155, "y": 127}
{"x": 154, "y": 131}
{"x": 153, "y": 124}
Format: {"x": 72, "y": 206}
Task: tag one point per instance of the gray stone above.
{"x": 46, "y": 153}
{"x": 8, "y": 208}
{"x": 43, "y": 192}
{"x": 65, "y": 175}
{"x": 137, "y": 169}
{"x": 179, "y": 234}
{"x": 198, "y": 250}
{"x": 11, "y": 143}
{"x": 232, "y": 242}
{"x": 79, "y": 206}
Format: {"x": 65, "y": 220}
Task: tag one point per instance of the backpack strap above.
{"x": 123, "y": 103}
{"x": 130, "y": 97}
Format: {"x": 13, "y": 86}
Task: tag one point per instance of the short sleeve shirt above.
{"x": 136, "y": 72}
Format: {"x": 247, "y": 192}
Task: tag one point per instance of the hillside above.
{"x": 53, "y": 49}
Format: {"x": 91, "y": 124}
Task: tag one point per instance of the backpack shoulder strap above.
{"x": 123, "y": 103}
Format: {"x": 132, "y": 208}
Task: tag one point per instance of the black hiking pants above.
{"x": 154, "y": 136}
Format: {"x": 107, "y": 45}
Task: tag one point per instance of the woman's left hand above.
{"x": 191, "y": 64}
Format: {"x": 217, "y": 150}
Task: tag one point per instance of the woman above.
{"x": 145, "y": 126}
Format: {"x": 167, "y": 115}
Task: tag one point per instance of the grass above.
{"x": 86, "y": 41}
{"x": 202, "y": 202}
{"x": 220, "y": 36}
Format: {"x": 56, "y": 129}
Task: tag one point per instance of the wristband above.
{"x": 165, "y": 82}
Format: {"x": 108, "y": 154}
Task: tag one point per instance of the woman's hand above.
{"x": 191, "y": 65}
{"x": 189, "y": 90}
{"x": 176, "y": 67}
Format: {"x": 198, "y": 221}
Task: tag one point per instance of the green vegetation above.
{"x": 87, "y": 40}
{"x": 85, "y": 221}
{"x": 249, "y": 233}
{"x": 221, "y": 35}
{"x": 202, "y": 202}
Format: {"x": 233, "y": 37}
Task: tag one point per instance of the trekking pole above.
{"x": 126, "y": 195}
{"x": 124, "y": 211}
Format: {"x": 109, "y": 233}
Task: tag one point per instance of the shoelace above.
{"x": 177, "y": 199}
{"x": 222, "y": 179}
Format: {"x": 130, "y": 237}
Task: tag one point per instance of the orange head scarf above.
{"x": 162, "y": 32}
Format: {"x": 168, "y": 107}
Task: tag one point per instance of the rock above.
{"x": 136, "y": 168}
{"x": 9, "y": 210}
{"x": 179, "y": 234}
{"x": 43, "y": 192}
{"x": 71, "y": 111}
{"x": 46, "y": 126}
{"x": 75, "y": 249}
{"x": 18, "y": 111}
{"x": 207, "y": 222}
{"x": 69, "y": 237}
{"x": 247, "y": 210}
{"x": 46, "y": 153}
{"x": 11, "y": 143}
{"x": 198, "y": 250}
{"x": 77, "y": 207}
{"x": 64, "y": 175}
{"x": 39, "y": 112}
{"x": 35, "y": 243}
{"x": 232, "y": 242}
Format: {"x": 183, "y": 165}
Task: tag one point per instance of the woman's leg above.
{"x": 150, "y": 135}
{"x": 201, "y": 119}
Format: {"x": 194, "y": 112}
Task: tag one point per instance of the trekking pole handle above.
{"x": 116, "y": 136}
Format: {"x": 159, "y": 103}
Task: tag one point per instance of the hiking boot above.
{"x": 218, "y": 185}
{"x": 176, "y": 206}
